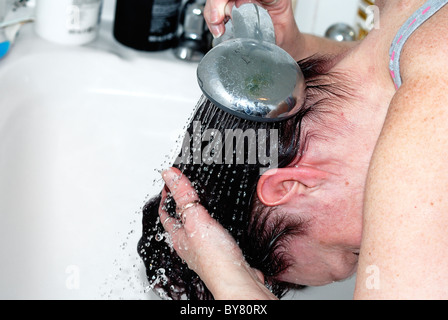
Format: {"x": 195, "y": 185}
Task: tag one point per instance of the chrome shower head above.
{"x": 249, "y": 76}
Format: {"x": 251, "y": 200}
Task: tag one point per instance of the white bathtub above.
{"x": 82, "y": 132}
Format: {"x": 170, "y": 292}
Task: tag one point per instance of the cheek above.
{"x": 316, "y": 263}
{"x": 343, "y": 232}
{"x": 339, "y": 222}
{"x": 309, "y": 266}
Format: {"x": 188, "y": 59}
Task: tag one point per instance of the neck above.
{"x": 353, "y": 129}
{"x": 348, "y": 134}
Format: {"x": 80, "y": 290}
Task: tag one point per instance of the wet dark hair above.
{"x": 228, "y": 192}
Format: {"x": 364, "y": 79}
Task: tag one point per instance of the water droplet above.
{"x": 158, "y": 237}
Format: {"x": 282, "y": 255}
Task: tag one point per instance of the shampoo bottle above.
{"x": 148, "y": 25}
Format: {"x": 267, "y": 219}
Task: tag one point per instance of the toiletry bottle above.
{"x": 365, "y": 18}
{"x": 149, "y": 25}
{"x": 71, "y": 22}
{"x": 4, "y": 44}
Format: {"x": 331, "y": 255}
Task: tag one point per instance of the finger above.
{"x": 180, "y": 187}
{"x": 168, "y": 222}
{"x": 215, "y": 14}
{"x": 268, "y": 2}
{"x": 191, "y": 213}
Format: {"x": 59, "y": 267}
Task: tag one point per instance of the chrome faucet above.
{"x": 195, "y": 39}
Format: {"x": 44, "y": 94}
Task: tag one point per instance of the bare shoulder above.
{"x": 405, "y": 212}
{"x": 426, "y": 51}
{"x": 424, "y": 71}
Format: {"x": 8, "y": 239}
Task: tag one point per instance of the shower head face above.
{"x": 253, "y": 80}
{"x": 249, "y": 76}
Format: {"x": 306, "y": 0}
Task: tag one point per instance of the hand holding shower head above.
{"x": 249, "y": 76}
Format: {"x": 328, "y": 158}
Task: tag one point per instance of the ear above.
{"x": 279, "y": 186}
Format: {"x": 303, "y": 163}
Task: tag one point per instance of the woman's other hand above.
{"x": 206, "y": 246}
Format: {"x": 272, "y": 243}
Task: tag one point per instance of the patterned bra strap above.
{"x": 413, "y": 23}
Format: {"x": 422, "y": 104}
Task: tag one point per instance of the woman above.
{"x": 369, "y": 180}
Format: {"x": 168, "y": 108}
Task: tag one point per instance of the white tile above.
{"x": 108, "y": 9}
{"x": 315, "y": 16}
{"x": 332, "y": 11}
{"x": 306, "y": 11}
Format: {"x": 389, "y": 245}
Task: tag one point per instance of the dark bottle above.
{"x": 149, "y": 25}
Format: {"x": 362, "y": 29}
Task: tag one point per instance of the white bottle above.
{"x": 71, "y": 22}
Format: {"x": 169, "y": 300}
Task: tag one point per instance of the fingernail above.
{"x": 166, "y": 174}
{"x": 171, "y": 178}
{"x": 216, "y": 31}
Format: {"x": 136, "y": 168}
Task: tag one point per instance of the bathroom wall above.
{"x": 315, "y": 16}
{"x": 109, "y": 9}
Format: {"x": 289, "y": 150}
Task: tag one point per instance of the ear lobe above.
{"x": 281, "y": 185}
